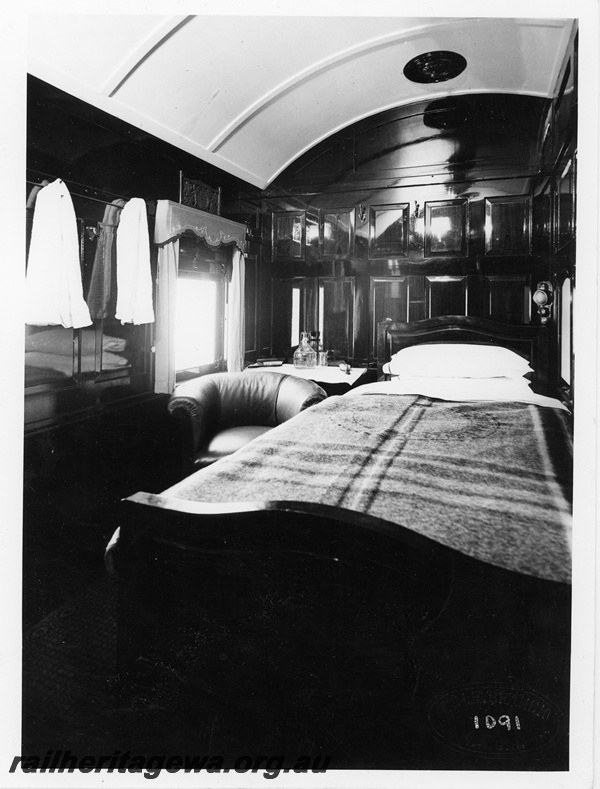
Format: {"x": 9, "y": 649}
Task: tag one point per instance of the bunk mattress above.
{"x": 491, "y": 479}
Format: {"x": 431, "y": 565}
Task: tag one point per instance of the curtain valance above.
{"x": 173, "y": 219}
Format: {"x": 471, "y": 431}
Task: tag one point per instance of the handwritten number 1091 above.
{"x": 503, "y": 720}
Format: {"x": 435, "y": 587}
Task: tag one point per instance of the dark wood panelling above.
{"x": 389, "y": 299}
{"x": 554, "y": 217}
{"x": 336, "y": 234}
{"x": 101, "y": 158}
{"x": 388, "y": 231}
{"x": 336, "y": 305}
{"x": 446, "y": 228}
{"x": 289, "y": 235}
{"x": 459, "y": 138}
{"x": 508, "y": 299}
{"x": 74, "y": 477}
{"x": 96, "y": 437}
{"x": 565, "y": 202}
{"x": 477, "y": 158}
{"x": 507, "y": 225}
{"x": 446, "y": 295}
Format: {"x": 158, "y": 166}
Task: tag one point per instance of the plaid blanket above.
{"x": 489, "y": 479}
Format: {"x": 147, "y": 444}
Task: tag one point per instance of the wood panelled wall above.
{"x": 94, "y": 438}
{"x": 100, "y": 159}
{"x": 554, "y": 219}
{"x": 459, "y": 206}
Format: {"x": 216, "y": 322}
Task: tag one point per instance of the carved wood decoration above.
{"x": 198, "y": 195}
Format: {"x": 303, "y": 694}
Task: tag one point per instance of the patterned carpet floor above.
{"x": 69, "y": 674}
{"x": 74, "y": 700}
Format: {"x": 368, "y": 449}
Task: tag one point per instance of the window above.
{"x": 565, "y": 331}
{"x": 196, "y": 322}
{"x": 200, "y": 309}
{"x": 200, "y": 261}
{"x": 323, "y": 305}
{"x": 295, "y": 336}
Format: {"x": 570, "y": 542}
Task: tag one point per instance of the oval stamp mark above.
{"x": 494, "y": 720}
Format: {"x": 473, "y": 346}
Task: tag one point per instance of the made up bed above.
{"x": 384, "y": 578}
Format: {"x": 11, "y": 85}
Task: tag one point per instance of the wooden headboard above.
{"x": 530, "y": 341}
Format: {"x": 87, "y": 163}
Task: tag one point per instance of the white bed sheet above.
{"x": 461, "y": 390}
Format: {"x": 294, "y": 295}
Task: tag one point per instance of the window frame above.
{"x": 186, "y": 373}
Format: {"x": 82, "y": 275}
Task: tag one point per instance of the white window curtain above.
{"x": 164, "y": 342}
{"x": 234, "y": 352}
{"x": 173, "y": 219}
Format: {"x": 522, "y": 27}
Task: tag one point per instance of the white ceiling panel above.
{"x": 90, "y": 48}
{"x": 251, "y": 93}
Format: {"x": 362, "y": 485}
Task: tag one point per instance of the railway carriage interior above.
{"x": 348, "y": 243}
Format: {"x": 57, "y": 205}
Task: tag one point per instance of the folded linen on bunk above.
{"x": 64, "y": 363}
{"x": 60, "y": 341}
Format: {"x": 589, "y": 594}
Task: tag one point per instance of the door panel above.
{"x": 446, "y": 295}
{"x": 389, "y": 301}
{"x": 508, "y": 299}
{"x": 336, "y": 315}
{"x": 292, "y": 313}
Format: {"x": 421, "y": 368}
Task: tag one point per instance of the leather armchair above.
{"x": 220, "y": 413}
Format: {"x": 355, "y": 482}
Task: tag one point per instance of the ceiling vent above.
{"x": 438, "y": 66}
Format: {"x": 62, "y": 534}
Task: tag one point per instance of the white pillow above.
{"x": 458, "y": 360}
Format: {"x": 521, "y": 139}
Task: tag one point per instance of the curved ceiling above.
{"x": 250, "y": 94}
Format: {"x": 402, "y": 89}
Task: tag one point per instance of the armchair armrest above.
{"x": 195, "y": 404}
{"x": 295, "y": 395}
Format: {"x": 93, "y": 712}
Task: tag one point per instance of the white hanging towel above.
{"x": 134, "y": 279}
{"x": 53, "y": 289}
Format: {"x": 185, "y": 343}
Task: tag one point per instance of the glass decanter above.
{"x": 305, "y": 355}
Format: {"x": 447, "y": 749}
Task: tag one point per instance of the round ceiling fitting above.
{"x": 438, "y": 66}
